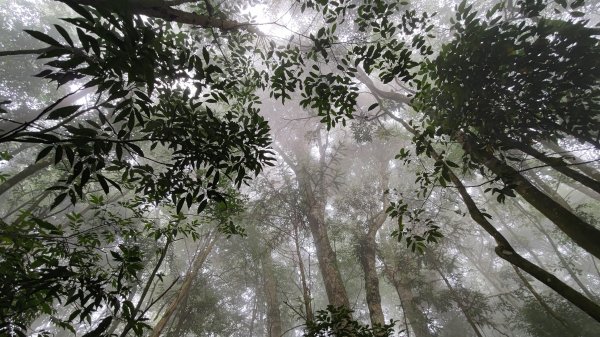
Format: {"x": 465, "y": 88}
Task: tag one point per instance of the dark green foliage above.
{"x": 338, "y": 322}
{"x": 172, "y": 145}
{"x": 135, "y": 66}
{"x": 44, "y": 263}
{"x": 538, "y": 323}
{"x": 519, "y": 80}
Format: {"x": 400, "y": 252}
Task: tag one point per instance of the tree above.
{"x": 158, "y": 110}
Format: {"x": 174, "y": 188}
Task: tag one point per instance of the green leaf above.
{"x": 206, "y": 55}
{"x": 44, "y": 153}
{"x": 64, "y": 34}
{"x": 42, "y": 37}
{"x": 63, "y": 112}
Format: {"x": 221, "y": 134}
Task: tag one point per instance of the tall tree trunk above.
{"x": 306, "y": 296}
{"x": 459, "y": 302}
{"x": 556, "y": 163}
{"x": 416, "y": 318}
{"x": 585, "y": 168}
{"x": 274, "y": 328}
{"x": 314, "y": 191}
{"x": 564, "y": 263}
{"x": 184, "y": 291}
{"x": 367, "y": 257}
{"x": 584, "y": 234}
{"x": 367, "y": 253}
{"x": 24, "y": 174}
{"x": 539, "y": 298}
{"x": 334, "y": 285}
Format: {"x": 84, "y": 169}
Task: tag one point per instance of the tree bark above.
{"x": 24, "y": 174}
{"x": 314, "y": 192}
{"x": 416, "y": 318}
{"x": 274, "y": 328}
{"x": 306, "y": 296}
{"x": 584, "y": 234}
{"x": 367, "y": 254}
{"x": 334, "y": 285}
{"x": 459, "y": 303}
{"x": 539, "y": 298}
{"x": 564, "y": 263}
{"x": 589, "y": 171}
{"x": 367, "y": 257}
{"x": 185, "y": 286}
{"x": 556, "y": 163}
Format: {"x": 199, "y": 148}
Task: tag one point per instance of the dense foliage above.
{"x": 152, "y": 121}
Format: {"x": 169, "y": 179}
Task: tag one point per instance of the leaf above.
{"x": 44, "y": 153}
{"x": 64, "y": 34}
{"x": 59, "y": 199}
{"x": 103, "y": 183}
{"x": 63, "y": 112}
{"x": 42, "y": 37}
{"x": 206, "y": 55}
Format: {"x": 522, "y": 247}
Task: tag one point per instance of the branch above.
{"x": 394, "y": 96}
{"x": 24, "y": 52}
{"x": 179, "y": 2}
{"x": 163, "y": 10}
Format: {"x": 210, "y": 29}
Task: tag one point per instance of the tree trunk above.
{"x": 314, "y": 192}
{"x": 306, "y": 296}
{"x": 416, "y": 318}
{"x": 367, "y": 257}
{"x": 274, "y": 328}
{"x": 556, "y": 163}
{"x": 24, "y": 174}
{"x": 564, "y": 263}
{"x": 334, "y": 285}
{"x": 505, "y": 251}
{"x": 539, "y": 298}
{"x": 589, "y": 171}
{"x": 185, "y": 287}
{"x": 584, "y": 234}
{"x": 459, "y": 302}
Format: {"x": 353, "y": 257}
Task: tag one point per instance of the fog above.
{"x": 299, "y": 168}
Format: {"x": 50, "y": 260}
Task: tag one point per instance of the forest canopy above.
{"x": 299, "y": 168}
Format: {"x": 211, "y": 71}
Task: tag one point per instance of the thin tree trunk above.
{"x": 274, "y": 328}
{"x": 539, "y": 298}
{"x": 24, "y": 174}
{"x": 416, "y": 317}
{"x": 585, "y": 168}
{"x": 584, "y": 234}
{"x": 306, "y": 296}
{"x": 564, "y": 262}
{"x": 185, "y": 287}
{"x": 556, "y": 163}
{"x": 140, "y": 302}
{"x": 461, "y": 306}
{"x": 367, "y": 257}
